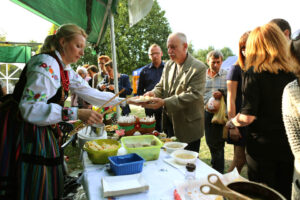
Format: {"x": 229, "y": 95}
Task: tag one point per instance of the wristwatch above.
{"x": 231, "y": 124}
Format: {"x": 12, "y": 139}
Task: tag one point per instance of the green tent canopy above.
{"x": 15, "y": 54}
{"x": 91, "y": 15}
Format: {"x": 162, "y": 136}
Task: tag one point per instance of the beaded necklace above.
{"x": 65, "y": 81}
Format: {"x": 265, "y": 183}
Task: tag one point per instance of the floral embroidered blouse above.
{"x": 43, "y": 81}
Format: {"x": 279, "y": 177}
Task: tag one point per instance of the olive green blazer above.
{"x": 184, "y": 100}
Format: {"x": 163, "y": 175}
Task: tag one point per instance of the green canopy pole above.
{"x": 114, "y": 57}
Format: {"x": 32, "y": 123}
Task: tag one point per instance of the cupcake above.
{"x": 128, "y": 124}
{"x": 147, "y": 124}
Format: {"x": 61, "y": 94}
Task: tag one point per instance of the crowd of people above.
{"x": 261, "y": 92}
{"x": 265, "y": 136}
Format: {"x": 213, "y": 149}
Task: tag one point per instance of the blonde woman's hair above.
{"x": 66, "y": 31}
{"x": 267, "y": 50}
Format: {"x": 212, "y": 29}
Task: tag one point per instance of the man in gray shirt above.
{"x": 215, "y": 80}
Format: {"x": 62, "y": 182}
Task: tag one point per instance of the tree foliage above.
{"x": 132, "y": 43}
{"x": 2, "y": 37}
{"x": 201, "y": 53}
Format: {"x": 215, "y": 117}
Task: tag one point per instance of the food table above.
{"x": 159, "y": 175}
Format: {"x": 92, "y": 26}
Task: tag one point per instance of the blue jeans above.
{"x": 215, "y": 142}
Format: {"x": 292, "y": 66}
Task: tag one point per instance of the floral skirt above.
{"x": 30, "y": 162}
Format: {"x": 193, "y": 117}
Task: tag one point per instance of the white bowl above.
{"x": 184, "y": 156}
{"x": 88, "y": 134}
{"x": 173, "y": 146}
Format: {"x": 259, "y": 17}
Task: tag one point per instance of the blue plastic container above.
{"x": 126, "y": 164}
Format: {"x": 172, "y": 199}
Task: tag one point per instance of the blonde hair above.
{"x": 86, "y": 66}
{"x": 66, "y": 31}
{"x": 267, "y": 50}
{"x": 153, "y": 45}
{"x": 104, "y": 57}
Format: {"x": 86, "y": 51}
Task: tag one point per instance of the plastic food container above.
{"x": 173, "y": 146}
{"x": 146, "y": 146}
{"x": 126, "y": 164}
{"x": 101, "y": 156}
{"x": 184, "y": 156}
{"x": 88, "y": 134}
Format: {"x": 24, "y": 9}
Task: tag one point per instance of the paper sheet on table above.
{"x": 171, "y": 161}
{"x": 195, "y": 186}
{"x": 125, "y": 184}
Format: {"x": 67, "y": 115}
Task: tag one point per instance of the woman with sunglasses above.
{"x": 237, "y": 136}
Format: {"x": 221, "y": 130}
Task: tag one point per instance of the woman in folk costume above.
{"x": 31, "y": 166}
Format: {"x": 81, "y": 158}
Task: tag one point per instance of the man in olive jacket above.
{"x": 180, "y": 92}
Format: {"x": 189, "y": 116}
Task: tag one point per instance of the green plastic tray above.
{"x": 148, "y": 153}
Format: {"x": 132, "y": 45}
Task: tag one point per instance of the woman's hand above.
{"x": 89, "y": 116}
{"x": 235, "y": 134}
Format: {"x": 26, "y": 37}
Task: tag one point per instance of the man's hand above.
{"x": 150, "y": 94}
{"x": 154, "y": 104}
{"x": 102, "y": 87}
{"x": 111, "y": 87}
{"x": 217, "y": 95}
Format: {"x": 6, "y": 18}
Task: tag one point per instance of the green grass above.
{"x": 74, "y": 163}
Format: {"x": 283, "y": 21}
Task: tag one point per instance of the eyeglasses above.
{"x": 155, "y": 53}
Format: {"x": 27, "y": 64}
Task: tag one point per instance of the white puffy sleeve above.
{"x": 43, "y": 81}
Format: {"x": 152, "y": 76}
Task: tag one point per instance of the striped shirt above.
{"x": 215, "y": 83}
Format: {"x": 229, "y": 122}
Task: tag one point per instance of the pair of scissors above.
{"x": 218, "y": 188}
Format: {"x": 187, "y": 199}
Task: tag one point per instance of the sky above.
{"x": 217, "y": 23}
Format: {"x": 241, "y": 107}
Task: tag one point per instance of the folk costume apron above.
{"x": 30, "y": 159}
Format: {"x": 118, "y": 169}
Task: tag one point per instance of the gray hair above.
{"x": 82, "y": 69}
{"x": 180, "y": 35}
{"x": 214, "y": 54}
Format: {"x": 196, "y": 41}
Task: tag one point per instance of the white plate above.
{"x": 120, "y": 185}
{"x": 137, "y": 100}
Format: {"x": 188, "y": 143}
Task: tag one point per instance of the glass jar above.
{"x": 190, "y": 175}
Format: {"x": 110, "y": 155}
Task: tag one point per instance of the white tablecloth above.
{"x": 160, "y": 176}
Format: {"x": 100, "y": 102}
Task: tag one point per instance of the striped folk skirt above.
{"x": 30, "y": 162}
